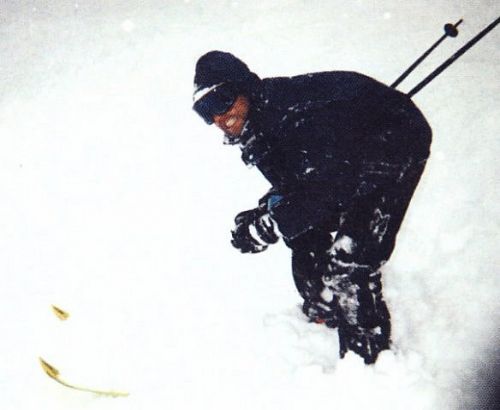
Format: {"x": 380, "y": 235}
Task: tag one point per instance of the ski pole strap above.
{"x": 450, "y": 30}
{"x": 453, "y": 58}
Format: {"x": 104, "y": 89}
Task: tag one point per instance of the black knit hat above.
{"x": 220, "y": 77}
{"x": 217, "y": 67}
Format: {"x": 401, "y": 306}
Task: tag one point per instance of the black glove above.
{"x": 264, "y": 230}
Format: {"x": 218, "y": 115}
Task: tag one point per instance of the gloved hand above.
{"x": 263, "y": 231}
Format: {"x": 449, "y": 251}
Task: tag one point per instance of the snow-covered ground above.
{"x": 117, "y": 202}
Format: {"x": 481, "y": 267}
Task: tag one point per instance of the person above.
{"x": 343, "y": 154}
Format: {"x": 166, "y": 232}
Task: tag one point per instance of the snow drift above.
{"x": 118, "y": 201}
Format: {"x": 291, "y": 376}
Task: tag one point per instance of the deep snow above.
{"x": 118, "y": 201}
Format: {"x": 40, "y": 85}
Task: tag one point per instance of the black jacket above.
{"x": 325, "y": 139}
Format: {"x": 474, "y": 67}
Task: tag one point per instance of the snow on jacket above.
{"x": 325, "y": 139}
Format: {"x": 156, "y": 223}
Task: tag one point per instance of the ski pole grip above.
{"x": 451, "y": 29}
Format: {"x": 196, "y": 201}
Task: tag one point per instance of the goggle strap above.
{"x": 198, "y": 95}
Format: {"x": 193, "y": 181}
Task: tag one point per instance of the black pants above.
{"x": 336, "y": 268}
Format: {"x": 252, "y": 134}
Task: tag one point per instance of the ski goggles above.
{"x": 215, "y": 101}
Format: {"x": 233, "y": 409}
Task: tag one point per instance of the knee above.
{"x": 347, "y": 252}
{"x": 351, "y": 252}
{"x": 345, "y": 248}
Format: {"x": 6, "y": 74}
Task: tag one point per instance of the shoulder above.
{"x": 325, "y": 86}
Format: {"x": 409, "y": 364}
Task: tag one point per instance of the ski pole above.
{"x": 453, "y": 58}
{"x": 450, "y": 30}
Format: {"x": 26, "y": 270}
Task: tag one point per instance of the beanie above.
{"x": 218, "y": 67}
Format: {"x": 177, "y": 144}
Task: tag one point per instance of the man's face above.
{"x": 233, "y": 120}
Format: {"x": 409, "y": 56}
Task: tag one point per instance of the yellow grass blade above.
{"x": 61, "y": 314}
{"x": 50, "y": 370}
{"x": 53, "y": 373}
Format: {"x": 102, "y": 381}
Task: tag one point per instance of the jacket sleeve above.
{"x": 269, "y": 198}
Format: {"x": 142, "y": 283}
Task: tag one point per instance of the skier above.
{"x": 343, "y": 154}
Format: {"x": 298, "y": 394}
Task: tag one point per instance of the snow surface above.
{"x": 117, "y": 202}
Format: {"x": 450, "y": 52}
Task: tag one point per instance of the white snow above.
{"x": 344, "y": 243}
{"x": 118, "y": 202}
